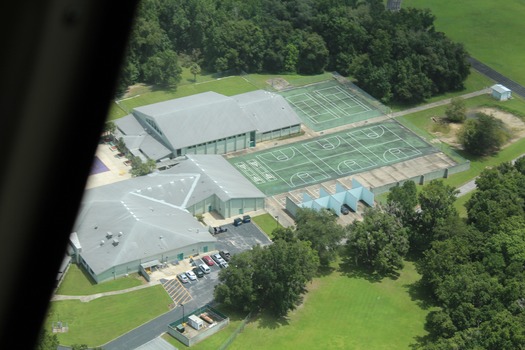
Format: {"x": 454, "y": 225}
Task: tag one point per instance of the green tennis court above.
{"x": 282, "y": 169}
{"x": 330, "y": 104}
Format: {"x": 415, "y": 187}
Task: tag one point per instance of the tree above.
{"x": 313, "y": 54}
{"x": 436, "y": 201}
{"x": 195, "y": 69}
{"x": 456, "y": 111}
{"x": 483, "y": 135}
{"x": 47, "y": 341}
{"x": 163, "y": 69}
{"x": 403, "y": 200}
{"x": 139, "y": 168}
{"x": 320, "y": 228}
{"x": 379, "y": 242}
{"x": 271, "y": 278}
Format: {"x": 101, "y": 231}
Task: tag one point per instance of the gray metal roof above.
{"x": 268, "y": 111}
{"x": 197, "y": 119}
{"x": 129, "y": 125}
{"x": 500, "y": 88}
{"x": 145, "y": 214}
{"x": 217, "y": 176}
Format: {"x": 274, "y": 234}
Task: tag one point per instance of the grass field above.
{"x": 96, "y": 322}
{"x": 324, "y": 158}
{"x": 266, "y": 223}
{"x": 343, "y": 312}
{"x": 492, "y": 31}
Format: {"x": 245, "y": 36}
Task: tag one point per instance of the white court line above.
{"x": 264, "y": 172}
{"x": 393, "y": 132}
{"x": 351, "y": 136}
{"x": 322, "y": 106}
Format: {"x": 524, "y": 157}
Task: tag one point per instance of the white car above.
{"x": 183, "y": 278}
{"x": 191, "y": 275}
{"x": 223, "y": 264}
{"x": 205, "y": 268}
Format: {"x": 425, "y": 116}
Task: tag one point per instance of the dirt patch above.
{"x": 278, "y": 83}
{"x": 135, "y": 90}
{"x": 513, "y": 123}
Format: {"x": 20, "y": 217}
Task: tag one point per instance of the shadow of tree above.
{"x": 349, "y": 269}
{"x": 420, "y": 294}
{"x": 325, "y": 271}
{"x": 268, "y": 321}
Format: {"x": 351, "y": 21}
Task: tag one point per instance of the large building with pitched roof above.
{"x": 150, "y": 220}
{"x": 206, "y": 123}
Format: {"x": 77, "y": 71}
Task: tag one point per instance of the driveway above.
{"x": 235, "y": 240}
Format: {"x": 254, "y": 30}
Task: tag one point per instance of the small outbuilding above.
{"x": 500, "y": 92}
{"x": 195, "y": 322}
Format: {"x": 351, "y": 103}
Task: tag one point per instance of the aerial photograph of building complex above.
{"x": 282, "y": 174}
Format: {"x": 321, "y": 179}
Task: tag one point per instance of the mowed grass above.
{"x": 491, "y": 31}
{"x": 98, "y": 321}
{"x": 267, "y": 223}
{"x": 342, "y": 312}
{"x": 77, "y": 282}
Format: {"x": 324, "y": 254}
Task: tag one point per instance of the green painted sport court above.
{"x": 288, "y": 167}
{"x": 330, "y": 104}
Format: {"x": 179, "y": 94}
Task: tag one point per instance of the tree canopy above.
{"x": 393, "y": 55}
{"x": 271, "y": 278}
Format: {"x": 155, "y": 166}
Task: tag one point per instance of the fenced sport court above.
{"x": 332, "y": 156}
{"x": 330, "y": 104}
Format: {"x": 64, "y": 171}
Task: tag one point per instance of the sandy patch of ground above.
{"x": 513, "y": 123}
{"x": 278, "y": 83}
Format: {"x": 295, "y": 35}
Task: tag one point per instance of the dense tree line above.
{"x": 395, "y": 56}
{"x": 473, "y": 269}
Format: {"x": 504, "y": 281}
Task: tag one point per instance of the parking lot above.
{"x": 200, "y": 292}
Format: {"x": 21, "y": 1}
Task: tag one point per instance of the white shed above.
{"x": 500, "y": 92}
{"x": 195, "y": 322}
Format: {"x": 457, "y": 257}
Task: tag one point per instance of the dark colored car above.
{"x": 198, "y": 272}
{"x": 225, "y": 255}
{"x": 237, "y": 222}
{"x": 345, "y": 209}
{"x": 246, "y": 218}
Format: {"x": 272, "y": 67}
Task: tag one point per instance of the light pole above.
{"x": 182, "y": 312}
{"x": 277, "y": 221}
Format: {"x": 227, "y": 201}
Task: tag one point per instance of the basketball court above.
{"x": 317, "y": 160}
{"x": 331, "y": 104}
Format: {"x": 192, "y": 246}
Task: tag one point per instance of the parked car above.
{"x": 217, "y": 258}
{"x": 225, "y": 255}
{"x": 345, "y": 209}
{"x": 208, "y": 260}
{"x": 246, "y": 218}
{"x": 224, "y": 264}
{"x": 191, "y": 275}
{"x": 237, "y": 222}
{"x": 183, "y": 278}
{"x": 204, "y": 268}
{"x": 198, "y": 272}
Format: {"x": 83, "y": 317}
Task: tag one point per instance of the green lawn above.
{"x": 492, "y": 31}
{"x": 342, "y": 312}
{"x": 96, "y": 322}
{"x": 77, "y": 282}
{"x": 266, "y": 223}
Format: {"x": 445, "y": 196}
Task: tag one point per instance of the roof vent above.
{"x": 115, "y": 242}
{"x": 120, "y": 234}
{"x": 109, "y": 235}
{"x": 102, "y": 242}
{"x": 161, "y": 237}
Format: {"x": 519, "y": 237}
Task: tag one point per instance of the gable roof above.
{"x": 197, "y": 119}
{"x": 500, "y": 88}
{"x": 268, "y": 111}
